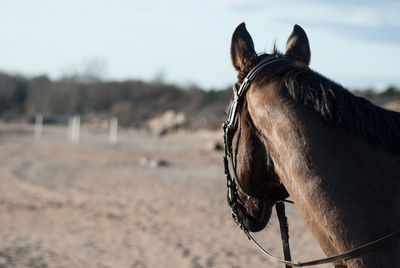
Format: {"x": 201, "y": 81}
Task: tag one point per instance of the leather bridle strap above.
{"x": 284, "y": 226}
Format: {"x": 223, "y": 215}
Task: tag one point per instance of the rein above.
{"x": 234, "y": 188}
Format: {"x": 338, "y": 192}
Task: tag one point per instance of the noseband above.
{"x": 234, "y": 187}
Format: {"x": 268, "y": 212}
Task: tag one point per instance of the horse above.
{"x": 298, "y": 134}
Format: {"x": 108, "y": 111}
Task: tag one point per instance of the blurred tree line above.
{"x": 391, "y": 92}
{"x": 133, "y": 101}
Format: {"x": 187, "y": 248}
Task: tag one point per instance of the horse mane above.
{"x": 339, "y": 107}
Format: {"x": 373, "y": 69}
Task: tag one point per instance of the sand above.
{"x": 98, "y": 205}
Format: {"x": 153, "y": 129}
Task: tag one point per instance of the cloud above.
{"x": 372, "y": 20}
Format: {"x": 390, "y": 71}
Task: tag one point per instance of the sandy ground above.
{"x": 97, "y": 205}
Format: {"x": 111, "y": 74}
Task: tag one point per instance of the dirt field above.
{"x": 97, "y": 205}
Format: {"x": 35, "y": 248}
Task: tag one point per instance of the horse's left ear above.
{"x": 297, "y": 46}
{"x": 243, "y": 54}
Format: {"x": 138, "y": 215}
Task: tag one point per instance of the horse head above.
{"x": 258, "y": 184}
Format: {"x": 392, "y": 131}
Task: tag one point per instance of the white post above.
{"x": 77, "y": 128}
{"x": 69, "y": 130}
{"x": 38, "y": 127}
{"x": 113, "y": 131}
{"x": 74, "y": 123}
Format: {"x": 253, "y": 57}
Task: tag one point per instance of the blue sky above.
{"x": 356, "y": 43}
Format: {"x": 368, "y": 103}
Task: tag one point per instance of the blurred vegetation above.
{"x": 390, "y": 93}
{"x": 132, "y": 101}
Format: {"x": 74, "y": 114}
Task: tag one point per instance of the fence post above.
{"x": 38, "y": 129}
{"x": 113, "y": 131}
{"x": 74, "y": 124}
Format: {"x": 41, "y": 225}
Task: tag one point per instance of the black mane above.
{"x": 338, "y": 106}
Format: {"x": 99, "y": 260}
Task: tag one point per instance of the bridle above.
{"x": 235, "y": 188}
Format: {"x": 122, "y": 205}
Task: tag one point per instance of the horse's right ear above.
{"x": 243, "y": 54}
{"x": 297, "y": 46}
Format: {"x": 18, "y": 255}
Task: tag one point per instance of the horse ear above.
{"x": 297, "y": 46}
{"x": 243, "y": 54}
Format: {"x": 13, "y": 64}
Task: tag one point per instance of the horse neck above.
{"x": 343, "y": 211}
{"x": 344, "y": 188}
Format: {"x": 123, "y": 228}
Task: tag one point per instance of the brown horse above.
{"x": 298, "y": 133}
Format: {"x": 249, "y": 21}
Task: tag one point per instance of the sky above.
{"x": 356, "y": 43}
